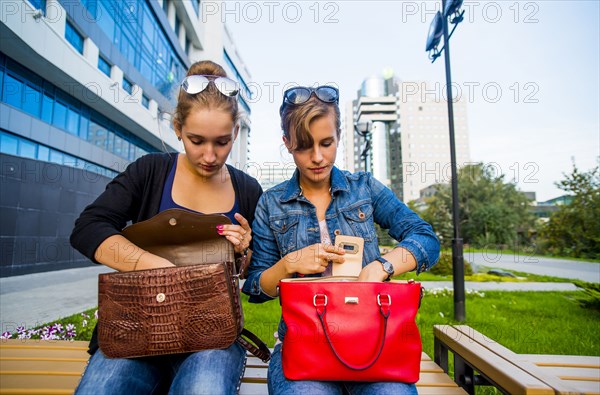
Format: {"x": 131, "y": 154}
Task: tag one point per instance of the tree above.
{"x": 574, "y": 230}
{"x": 491, "y": 211}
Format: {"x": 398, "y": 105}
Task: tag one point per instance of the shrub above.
{"x": 444, "y": 266}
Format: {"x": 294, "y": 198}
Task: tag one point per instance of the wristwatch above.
{"x": 387, "y": 266}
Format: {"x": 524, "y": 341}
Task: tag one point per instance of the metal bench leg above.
{"x": 464, "y": 375}
{"x": 440, "y": 354}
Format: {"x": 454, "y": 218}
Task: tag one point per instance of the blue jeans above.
{"x": 203, "y": 372}
{"x": 278, "y": 384}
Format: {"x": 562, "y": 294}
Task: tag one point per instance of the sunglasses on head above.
{"x": 197, "y": 83}
{"x": 301, "y": 94}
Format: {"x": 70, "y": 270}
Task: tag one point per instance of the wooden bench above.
{"x": 55, "y": 367}
{"x": 478, "y": 360}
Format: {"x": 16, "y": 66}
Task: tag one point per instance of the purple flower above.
{"x": 84, "y": 315}
{"x": 5, "y": 335}
{"x": 70, "y": 331}
{"x": 24, "y": 335}
{"x": 58, "y": 327}
{"x": 20, "y": 329}
{"x": 84, "y": 323}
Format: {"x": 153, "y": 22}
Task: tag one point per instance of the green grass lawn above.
{"x": 484, "y": 277}
{"x": 525, "y": 322}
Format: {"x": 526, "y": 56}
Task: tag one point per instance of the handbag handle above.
{"x": 259, "y": 348}
{"x": 322, "y": 310}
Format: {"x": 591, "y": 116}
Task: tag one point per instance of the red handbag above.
{"x": 350, "y": 331}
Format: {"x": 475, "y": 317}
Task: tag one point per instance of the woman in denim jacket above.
{"x": 297, "y": 220}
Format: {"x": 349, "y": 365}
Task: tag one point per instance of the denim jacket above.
{"x": 285, "y": 221}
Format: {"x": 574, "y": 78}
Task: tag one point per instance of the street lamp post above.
{"x": 439, "y": 28}
{"x": 364, "y": 130}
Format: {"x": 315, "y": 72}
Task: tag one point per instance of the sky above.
{"x": 529, "y": 71}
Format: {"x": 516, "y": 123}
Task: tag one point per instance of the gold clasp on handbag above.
{"x": 351, "y": 300}
{"x": 160, "y": 297}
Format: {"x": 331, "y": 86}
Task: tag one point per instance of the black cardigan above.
{"x": 135, "y": 194}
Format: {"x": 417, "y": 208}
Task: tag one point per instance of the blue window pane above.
{"x": 47, "y": 104}
{"x": 60, "y": 115}
{"x": 56, "y": 157}
{"x": 127, "y": 86}
{"x": 196, "y": 5}
{"x": 32, "y": 99}
{"x": 97, "y": 135}
{"x": 39, "y": 4}
{"x": 125, "y": 149}
{"x": 145, "y": 101}
{"x": 12, "y": 91}
{"x": 132, "y": 148}
{"x": 43, "y": 153}
{"x": 72, "y": 121}
{"x": 84, "y": 124}
{"x": 8, "y": 144}
{"x": 106, "y": 21}
{"x": 69, "y": 160}
{"x": 118, "y": 146}
{"x": 103, "y": 66}
{"x": 165, "y": 6}
{"x": 146, "y": 68}
{"x": 110, "y": 141}
{"x": 27, "y": 149}
{"x": 74, "y": 37}
{"x": 148, "y": 24}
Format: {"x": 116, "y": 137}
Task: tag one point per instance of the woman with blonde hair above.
{"x": 199, "y": 180}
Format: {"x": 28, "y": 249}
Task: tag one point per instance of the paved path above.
{"x": 35, "y": 299}
{"x": 503, "y": 286}
{"x": 577, "y": 270}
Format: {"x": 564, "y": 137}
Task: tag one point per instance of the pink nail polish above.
{"x": 219, "y": 227}
{"x": 220, "y": 231}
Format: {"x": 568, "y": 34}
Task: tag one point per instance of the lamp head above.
{"x": 363, "y": 128}
{"x": 435, "y": 32}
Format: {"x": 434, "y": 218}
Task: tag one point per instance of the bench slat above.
{"x": 38, "y": 382}
{"x": 441, "y": 391}
{"x": 569, "y": 373}
{"x": 575, "y": 361}
{"x": 42, "y": 353}
{"x": 585, "y": 387}
{"x": 54, "y": 368}
{"x": 564, "y": 374}
{"x": 552, "y": 380}
{"x": 43, "y": 365}
{"x": 491, "y": 365}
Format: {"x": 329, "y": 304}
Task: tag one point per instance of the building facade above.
{"x": 407, "y": 143}
{"x": 87, "y": 87}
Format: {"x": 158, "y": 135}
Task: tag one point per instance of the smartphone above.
{"x": 353, "y": 246}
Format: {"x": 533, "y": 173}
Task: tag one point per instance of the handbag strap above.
{"x": 322, "y": 310}
{"x": 258, "y": 349}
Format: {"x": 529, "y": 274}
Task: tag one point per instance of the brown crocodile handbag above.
{"x": 191, "y": 307}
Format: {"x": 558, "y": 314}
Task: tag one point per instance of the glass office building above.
{"x": 87, "y": 87}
